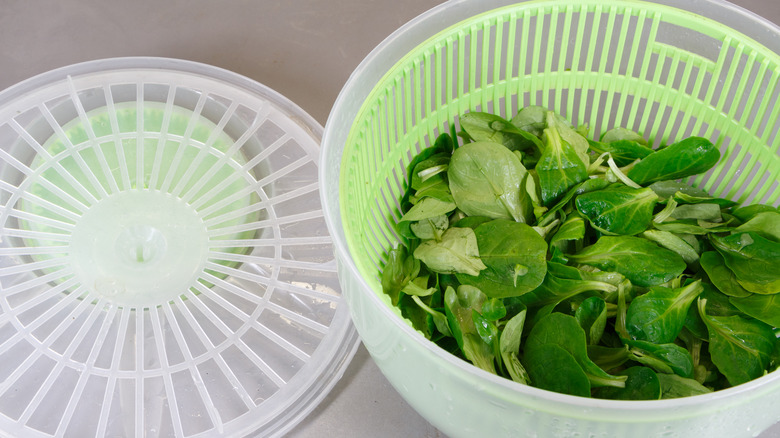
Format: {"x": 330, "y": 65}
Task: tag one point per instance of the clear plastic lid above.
{"x": 165, "y": 266}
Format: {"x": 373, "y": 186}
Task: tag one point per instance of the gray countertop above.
{"x": 304, "y": 49}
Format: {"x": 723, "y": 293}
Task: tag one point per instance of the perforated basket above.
{"x": 165, "y": 269}
{"x": 665, "y": 70}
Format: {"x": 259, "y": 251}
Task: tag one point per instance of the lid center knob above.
{"x": 141, "y": 244}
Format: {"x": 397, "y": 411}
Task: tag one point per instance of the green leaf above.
{"x": 721, "y": 276}
{"x": 691, "y": 227}
{"x": 674, "y": 243}
{"x": 428, "y": 208}
{"x": 663, "y": 358}
{"x": 624, "y": 152}
{"x": 765, "y": 308}
{"x": 765, "y": 224}
{"x": 703, "y": 211}
{"x": 659, "y": 315}
{"x": 643, "y": 262}
{"x": 669, "y": 188}
{"x": 439, "y": 319}
{"x": 559, "y": 168}
{"x": 608, "y": 358}
{"x": 556, "y": 287}
{"x": 623, "y": 134}
{"x": 739, "y": 347}
{"x": 753, "y": 259}
{"x": 744, "y": 214}
{"x": 552, "y": 368}
{"x": 674, "y": 386}
{"x": 509, "y": 345}
{"x": 687, "y": 157}
{"x": 487, "y": 179}
{"x": 489, "y": 127}
{"x": 431, "y": 171}
{"x": 618, "y": 209}
{"x": 514, "y": 265}
{"x": 592, "y": 317}
{"x": 532, "y": 119}
{"x": 493, "y": 309}
{"x": 642, "y": 384}
{"x": 564, "y": 331}
{"x": 431, "y": 228}
{"x": 459, "y": 306}
{"x": 457, "y": 252}
{"x": 399, "y": 270}
{"x": 689, "y": 198}
{"x": 572, "y": 229}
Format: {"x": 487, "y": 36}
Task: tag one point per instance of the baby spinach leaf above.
{"x": 532, "y": 119}
{"x": 472, "y": 222}
{"x": 559, "y": 168}
{"x": 493, "y": 309}
{"x": 556, "y": 288}
{"x": 620, "y": 134}
{"x": 514, "y": 265}
{"x": 674, "y": 243}
{"x": 400, "y": 269}
{"x": 668, "y": 188}
{"x": 564, "y": 331}
{"x": 608, "y": 358}
{"x": 687, "y": 157}
{"x": 741, "y": 348}
{"x": 592, "y": 317}
{"x": 642, "y": 384}
{"x": 688, "y": 198}
{"x": 674, "y": 386}
{"x": 487, "y": 179}
{"x": 765, "y": 224}
{"x": 589, "y": 185}
{"x": 431, "y": 171}
{"x": 659, "y": 315}
{"x": 691, "y": 227}
{"x": 439, "y": 319}
{"x": 752, "y": 258}
{"x": 703, "y": 211}
{"x": 618, "y": 209}
{"x": 721, "y": 276}
{"x": 744, "y": 214}
{"x": 428, "y": 208}
{"x": 765, "y": 308}
{"x": 572, "y": 229}
{"x": 487, "y": 330}
{"x": 430, "y": 228}
{"x": 553, "y": 368}
{"x": 509, "y": 345}
{"x": 457, "y": 252}
{"x": 664, "y": 358}
{"x": 624, "y": 151}
{"x": 490, "y": 127}
{"x": 459, "y": 306}
{"x": 643, "y": 262}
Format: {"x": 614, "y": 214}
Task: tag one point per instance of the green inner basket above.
{"x": 660, "y": 71}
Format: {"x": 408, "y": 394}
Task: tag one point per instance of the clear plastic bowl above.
{"x": 666, "y": 69}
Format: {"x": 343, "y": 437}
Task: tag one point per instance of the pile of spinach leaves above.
{"x": 585, "y": 267}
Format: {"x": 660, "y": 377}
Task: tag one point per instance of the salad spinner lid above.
{"x": 166, "y": 269}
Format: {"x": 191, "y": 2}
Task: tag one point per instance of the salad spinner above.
{"x": 668, "y": 69}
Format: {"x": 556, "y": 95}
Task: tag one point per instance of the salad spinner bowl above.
{"x": 667, "y": 69}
